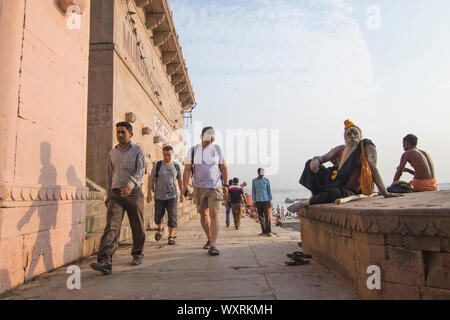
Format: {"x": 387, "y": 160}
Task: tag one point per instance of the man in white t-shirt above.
{"x": 209, "y": 174}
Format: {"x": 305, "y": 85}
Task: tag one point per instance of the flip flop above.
{"x": 298, "y": 262}
{"x": 299, "y": 255}
{"x": 171, "y": 241}
{"x": 213, "y": 251}
{"x": 207, "y": 245}
{"x": 158, "y": 234}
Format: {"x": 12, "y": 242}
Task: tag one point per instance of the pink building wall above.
{"x": 43, "y": 114}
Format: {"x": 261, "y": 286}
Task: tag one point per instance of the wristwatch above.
{"x": 225, "y": 185}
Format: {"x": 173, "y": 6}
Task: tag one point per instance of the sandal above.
{"x": 213, "y": 251}
{"x": 171, "y": 241}
{"x": 207, "y": 245}
{"x": 158, "y": 234}
{"x": 296, "y": 262}
{"x": 298, "y": 255}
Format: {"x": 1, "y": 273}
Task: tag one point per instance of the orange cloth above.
{"x": 424, "y": 185}
{"x": 367, "y": 184}
{"x": 348, "y": 124}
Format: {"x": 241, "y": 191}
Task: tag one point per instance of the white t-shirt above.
{"x": 207, "y": 173}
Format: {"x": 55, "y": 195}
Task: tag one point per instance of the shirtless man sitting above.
{"x": 424, "y": 179}
{"x": 346, "y": 182}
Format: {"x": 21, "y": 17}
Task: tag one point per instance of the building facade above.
{"x": 70, "y": 70}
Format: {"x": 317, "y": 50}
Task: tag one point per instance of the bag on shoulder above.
{"x": 158, "y": 167}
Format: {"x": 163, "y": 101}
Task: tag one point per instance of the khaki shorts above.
{"x": 207, "y": 198}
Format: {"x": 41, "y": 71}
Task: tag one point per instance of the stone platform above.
{"x": 249, "y": 267}
{"x": 407, "y": 237}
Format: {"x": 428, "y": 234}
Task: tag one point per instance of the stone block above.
{"x": 367, "y": 255}
{"x": 395, "y": 240}
{"x": 95, "y": 223}
{"x": 375, "y": 239}
{"x": 422, "y": 243}
{"x": 434, "y": 294}
{"x": 438, "y": 269}
{"x": 398, "y": 291}
{"x": 404, "y": 266}
{"x": 37, "y": 254}
{"x": 11, "y": 254}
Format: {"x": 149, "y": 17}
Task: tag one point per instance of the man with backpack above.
{"x": 210, "y": 176}
{"x": 163, "y": 180}
{"x": 236, "y": 198}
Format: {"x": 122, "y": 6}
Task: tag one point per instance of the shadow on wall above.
{"x": 47, "y": 213}
{"x": 5, "y": 282}
{"x": 75, "y": 238}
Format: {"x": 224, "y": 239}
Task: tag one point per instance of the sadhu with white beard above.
{"x": 348, "y": 179}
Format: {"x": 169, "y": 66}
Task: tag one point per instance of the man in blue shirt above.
{"x": 262, "y": 197}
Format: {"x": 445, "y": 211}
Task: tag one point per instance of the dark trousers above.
{"x": 134, "y": 206}
{"x": 227, "y": 214}
{"x": 172, "y": 212}
{"x": 263, "y": 213}
{"x": 324, "y": 190}
{"x": 237, "y": 211}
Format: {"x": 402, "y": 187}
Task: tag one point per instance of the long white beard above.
{"x": 350, "y": 146}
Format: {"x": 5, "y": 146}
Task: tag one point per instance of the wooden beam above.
{"x": 179, "y": 87}
{"x": 142, "y": 3}
{"x": 168, "y": 56}
{"x": 186, "y": 103}
{"x": 159, "y": 37}
{"x": 184, "y": 95}
{"x": 177, "y": 78}
{"x": 172, "y": 68}
{"x": 152, "y": 20}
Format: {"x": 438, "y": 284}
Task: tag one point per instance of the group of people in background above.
{"x": 353, "y": 171}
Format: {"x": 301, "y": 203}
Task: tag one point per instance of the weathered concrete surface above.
{"x": 249, "y": 267}
{"x": 407, "y": 237}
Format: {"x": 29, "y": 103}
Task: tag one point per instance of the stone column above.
{"x": 11, "y": 33}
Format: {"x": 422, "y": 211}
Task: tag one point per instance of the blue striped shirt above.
{"x": 261, "y": 190}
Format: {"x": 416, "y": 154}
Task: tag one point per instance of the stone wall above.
{"x": 408, "y": 238}
{"x": 130, "y": 80}
{"x": 43, "y": 79}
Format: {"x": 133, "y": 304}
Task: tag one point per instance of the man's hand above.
{"x": 149, "y": 197}
{"x": 314, "y": 165}
{"x": 392, "y": 195}
{"x": 125, "y": 191}
{"x": 185, "y": 188}
{"x": 181, "y": 198}
{"x": 270, "y": 204}
{"x": 225, "y": 193}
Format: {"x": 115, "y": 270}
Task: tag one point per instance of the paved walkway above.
{"x": 249, "y": 267}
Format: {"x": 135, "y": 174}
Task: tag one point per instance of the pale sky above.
{"x": 305, "y": 66}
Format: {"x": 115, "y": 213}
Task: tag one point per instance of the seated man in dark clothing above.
{"x": 326, "y": 187}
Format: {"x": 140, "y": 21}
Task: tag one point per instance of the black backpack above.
{"x": 219, "y": 152}
{"x": 158, "y": 167}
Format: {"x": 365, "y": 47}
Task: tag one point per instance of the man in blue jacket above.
{"x": 262, "y": 197}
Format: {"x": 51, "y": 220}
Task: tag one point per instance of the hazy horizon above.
{"x": 302, "y": 67}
